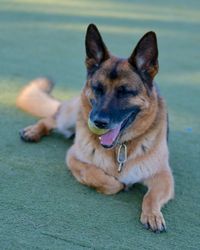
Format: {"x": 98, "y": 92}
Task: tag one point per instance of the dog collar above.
{"x": 121, "y": 156}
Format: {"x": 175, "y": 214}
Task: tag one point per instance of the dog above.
{"x": 120, "y": 123}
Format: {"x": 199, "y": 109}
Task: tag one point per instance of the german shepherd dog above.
{"x": 127, "y": 141}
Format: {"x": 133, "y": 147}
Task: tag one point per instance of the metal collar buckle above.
{"x": 121, "y": 156}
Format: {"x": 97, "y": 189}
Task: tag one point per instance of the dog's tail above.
{"x": 35, "y": 98}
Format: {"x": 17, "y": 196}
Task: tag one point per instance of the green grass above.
{"x": 42, "y": 206}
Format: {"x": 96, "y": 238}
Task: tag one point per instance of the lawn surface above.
{"x": 41, "y": 205}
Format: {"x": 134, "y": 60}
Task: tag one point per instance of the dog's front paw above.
{"x": 30, "y": 134}
{"x": 153, "y": 221}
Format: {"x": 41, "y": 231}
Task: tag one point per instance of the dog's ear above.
{"x": 145, "y": 57}
{"x": 96, "y": 51}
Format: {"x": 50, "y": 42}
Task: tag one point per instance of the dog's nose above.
{"x": 101, "y": 123}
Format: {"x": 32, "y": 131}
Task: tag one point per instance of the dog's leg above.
{"x": 63, "y": 120}
{"x": 92, "y": 176}
{"x": 160, "y": 190}
{"x": 34, "y": 132}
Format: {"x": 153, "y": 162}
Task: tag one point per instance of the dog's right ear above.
{"x": 96, "y": 51}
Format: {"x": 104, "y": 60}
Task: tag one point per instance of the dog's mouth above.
{"x": 110, "y": 139}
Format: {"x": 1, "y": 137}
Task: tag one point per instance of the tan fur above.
{"x": 90, "y": 175}
{"x": 95, "y": 166}
{"x": 35, "y": 98}
{"x": 42, "y": 128}
{"x": 66, "y": 116}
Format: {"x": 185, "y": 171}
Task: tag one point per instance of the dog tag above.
{"x": 121, "y": 156}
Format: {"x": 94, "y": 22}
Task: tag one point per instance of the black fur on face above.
{"x": 111, "y": 107}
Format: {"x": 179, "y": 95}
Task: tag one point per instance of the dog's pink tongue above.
{"x": 108, "y": 138}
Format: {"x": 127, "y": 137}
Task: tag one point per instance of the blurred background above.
{"x": 40, "y": 200}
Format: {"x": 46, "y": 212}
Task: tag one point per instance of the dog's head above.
{"x": 120, "y": 93}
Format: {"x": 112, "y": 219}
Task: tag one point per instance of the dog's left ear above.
{"x": 96, "y": 51}
{"x": 145, "y": 57}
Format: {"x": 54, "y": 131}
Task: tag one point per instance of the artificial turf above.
{"x": 41, "y": 204}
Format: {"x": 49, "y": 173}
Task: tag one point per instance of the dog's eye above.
{"x": 98, "y": 89}
{"x": 123, "y": 91}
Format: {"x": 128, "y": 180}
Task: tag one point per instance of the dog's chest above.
{"x": 133, "y": 175}
{"x": 105, "y": 161}
{"x": 138, "y": 166}
{"x": 92, "y": 154}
